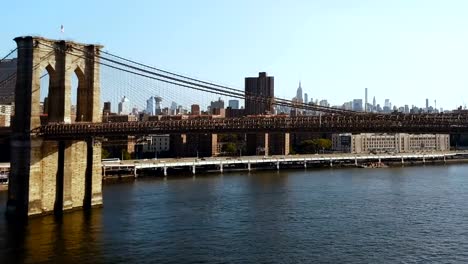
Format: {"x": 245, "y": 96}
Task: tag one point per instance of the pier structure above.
{"x": 248, "y": 163}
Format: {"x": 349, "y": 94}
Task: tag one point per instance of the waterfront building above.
{"x": 390, "y": 143}
{"x": 156, "y": 144}
{"x": 261, "y": 87}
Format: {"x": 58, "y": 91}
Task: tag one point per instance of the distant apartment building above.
{"x": 195, "y": 109}
{"x": 7, "y": 81}
{"x": 259, "y": 94}
{"x": 216, "y": 105}
{"x": 390, "y": 143}
{"x": 324, "y": 103}
{"x": 348, "y": 106}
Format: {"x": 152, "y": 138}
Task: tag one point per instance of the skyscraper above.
{"x": 106, "y": 109}
{"x": 124, "y": 106}
{"x": 427, "y": 103}
{"x": 158, "y": 101}
{"x": 151, "y": 106}
{"x": 173, "y": 109}
{"x": 373, "y": 103}
{"x": 365, "y": 102}
{"x": 259, "y": 94}
{"x": 299, "y": 94}
{"x": 306, "y": 98}
{"x": 234, "y": 104}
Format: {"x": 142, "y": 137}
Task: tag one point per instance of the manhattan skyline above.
{"x": 406, "y": 52}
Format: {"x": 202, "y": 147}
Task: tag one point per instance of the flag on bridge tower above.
{"x": 62, "y": 29}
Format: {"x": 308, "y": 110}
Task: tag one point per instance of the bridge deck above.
{"x": 328, "y": 123}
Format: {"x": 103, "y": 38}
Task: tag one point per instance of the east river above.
{"x": 387, "y": 215}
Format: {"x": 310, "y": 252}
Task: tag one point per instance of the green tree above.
{"x": 126, "y": 155}
{"x": 105, "y": 153}
{"x": 230, "y": 148}
{"x": 324, "y": 143}
{"x": 314, "y": 145}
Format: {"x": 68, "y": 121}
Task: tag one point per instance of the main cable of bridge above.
{"x": 5, "y": 57}
{"x": 280, "y": 101}
{"x": 199, "y": 85}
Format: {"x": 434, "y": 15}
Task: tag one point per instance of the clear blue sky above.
{"x": 403, "y": 50}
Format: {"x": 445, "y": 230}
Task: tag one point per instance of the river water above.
{"x": 413, "y": 214}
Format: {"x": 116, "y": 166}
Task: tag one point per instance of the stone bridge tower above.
{"x": 52, "y": 175}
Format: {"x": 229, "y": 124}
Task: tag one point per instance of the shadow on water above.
{"x": 71, "y": 237}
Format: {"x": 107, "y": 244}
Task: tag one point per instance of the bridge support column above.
{"x": 54, "y": 175}
{"x": 93, "y": 179}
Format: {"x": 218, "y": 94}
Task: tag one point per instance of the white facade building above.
{"x": 390, "y": 143}
{"x": 124, "y": 106}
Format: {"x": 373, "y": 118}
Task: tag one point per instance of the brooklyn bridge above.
{"x": 56, "y": 160}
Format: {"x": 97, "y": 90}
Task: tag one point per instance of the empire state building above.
{"x": 299, "y": 94}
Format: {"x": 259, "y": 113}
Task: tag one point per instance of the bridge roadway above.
{"x": 368, "y": 123}
{"x": 247, "y": 161}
